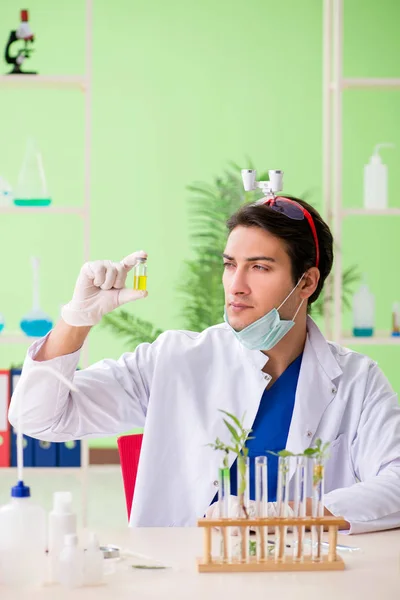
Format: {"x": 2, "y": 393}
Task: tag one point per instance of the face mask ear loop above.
{"x": 297, "y": 311}
{"x": 287, "y": 297}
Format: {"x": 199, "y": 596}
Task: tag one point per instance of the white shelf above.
{"x": 381, "y": 338}
{"x": 16, "y": 337}
{"x": 55, "y": 210}
{"x": 99, "y": 469}
{"x": 42, "y": 470}
{"x": 44, "y": 81}
{"x": 371, "y": 212}
{"x": 368, "y": 83}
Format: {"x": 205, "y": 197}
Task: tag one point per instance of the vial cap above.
{"x": 20, "y": 490}
{"x": 62, "y": 502}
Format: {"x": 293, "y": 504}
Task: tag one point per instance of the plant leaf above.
{"x": 310, "y": 451}
{"x": 233, "y": 431}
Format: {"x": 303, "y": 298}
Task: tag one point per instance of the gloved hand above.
{"x": 213, "y": 512}
{"x": 99, "y": 289}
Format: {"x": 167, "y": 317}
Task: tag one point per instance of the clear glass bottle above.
{"x": 318, "y": 474}
{"x": 140, "y": 274}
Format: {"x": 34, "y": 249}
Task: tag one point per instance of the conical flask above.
{"x": 31, "y": 189}
{"x": 36, "y": 323}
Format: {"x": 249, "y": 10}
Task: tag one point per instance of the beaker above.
{"x": 36, "y": 323}
{"x": 31, "y": 189}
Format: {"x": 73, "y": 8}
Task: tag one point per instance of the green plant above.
{"x": 239, "y": 437}
{"x": 319, "y": 452}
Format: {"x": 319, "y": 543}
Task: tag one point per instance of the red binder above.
{"x": 5, "y": 434}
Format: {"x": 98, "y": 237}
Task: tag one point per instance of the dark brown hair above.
{"x": 297, "y": 236}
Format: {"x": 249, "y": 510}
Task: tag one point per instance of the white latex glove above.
{"x": 99, "y": 289}
{"x": 213, "y": 511}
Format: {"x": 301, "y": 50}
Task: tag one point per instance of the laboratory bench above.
{"x": 371, "y": 572}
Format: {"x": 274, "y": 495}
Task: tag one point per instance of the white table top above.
{"x": 371, "y": 573}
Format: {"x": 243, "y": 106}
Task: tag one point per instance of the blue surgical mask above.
{"x": 266, "y": 332}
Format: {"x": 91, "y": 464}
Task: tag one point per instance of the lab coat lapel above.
{"x": 249, "y": 383}
{"x": 316, "y": 389}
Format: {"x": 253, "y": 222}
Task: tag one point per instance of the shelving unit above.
{"x": 333, "y": 86}
{"x": 44, "y": 81}
{"x": 83, "y": 84}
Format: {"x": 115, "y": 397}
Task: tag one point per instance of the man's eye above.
{"x": 227, "y": 265}
{"x": 261, "y": 268}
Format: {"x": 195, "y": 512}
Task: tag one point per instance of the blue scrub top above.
{"x": 271, "y": 428}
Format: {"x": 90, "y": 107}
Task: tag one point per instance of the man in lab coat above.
{"x": 268, "y": 360}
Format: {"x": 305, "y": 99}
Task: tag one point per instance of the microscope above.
{"x": 23, "y": 33}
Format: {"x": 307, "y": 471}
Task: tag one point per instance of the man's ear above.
{"x": 309, "y": 283}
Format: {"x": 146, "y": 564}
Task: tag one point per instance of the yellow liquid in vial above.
{"x": 140, "y": 282}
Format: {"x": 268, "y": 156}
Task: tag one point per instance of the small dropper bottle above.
{"x": 140, "y": 274}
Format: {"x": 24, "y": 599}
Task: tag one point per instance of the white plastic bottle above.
{"x": 376, "y": 181}
{"x": 22, "y": 540}
{"x": 93, "y": 562}
{"x": 363, "y": 311}
{"x": 62, "y": 521}
{"x": 71, "y": 563}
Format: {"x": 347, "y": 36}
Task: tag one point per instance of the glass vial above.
{"x": 261, "y": 504}
{"x": 318, "y": 473}
{"x": 140, "y": 274}
{"x": 299, "y": 507}
{"x": 243, "y": 467}
{"x": 224, "y": 492}
{"x": 282, "y": 504}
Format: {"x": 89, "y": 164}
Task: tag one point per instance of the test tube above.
{"x": 224, "y": 492}
{"x": 243, "y": 466}
{"x": 261, "y": 504}
{"x": 140, "y": 274}
{"x": 282, "y": 504}
{"x": 299, "y": 507}
{"x": 318, "y": 473}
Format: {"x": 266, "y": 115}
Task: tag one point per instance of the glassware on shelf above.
{"x": 36, "y": 323}
{"x": 299, "y": 506}
{"x": 2, "y": 322}
{"x": 31, "y": 189}
{"x": 282, "y": 506}
{"x": 224, "y": 492}
{"x": 261, "y": 471}
{"x": 6, "y": 194}
{"x": 318, "y": 475}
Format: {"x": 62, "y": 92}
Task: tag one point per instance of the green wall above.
{"x": 179, "y": 89}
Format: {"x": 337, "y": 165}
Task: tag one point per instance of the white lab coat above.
{"x": 174, "y": 388}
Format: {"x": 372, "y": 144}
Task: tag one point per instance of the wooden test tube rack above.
{"x": 327, "y": 562}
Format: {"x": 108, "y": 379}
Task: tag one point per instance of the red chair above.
{"x": 129, "y": 447}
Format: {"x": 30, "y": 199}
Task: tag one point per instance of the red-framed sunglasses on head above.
{"x": 294, "y": 210}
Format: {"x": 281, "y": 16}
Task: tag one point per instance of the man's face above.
{"x": 257, "y": 277}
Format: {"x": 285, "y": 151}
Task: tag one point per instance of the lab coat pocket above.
{"x": 338, "y": 469}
